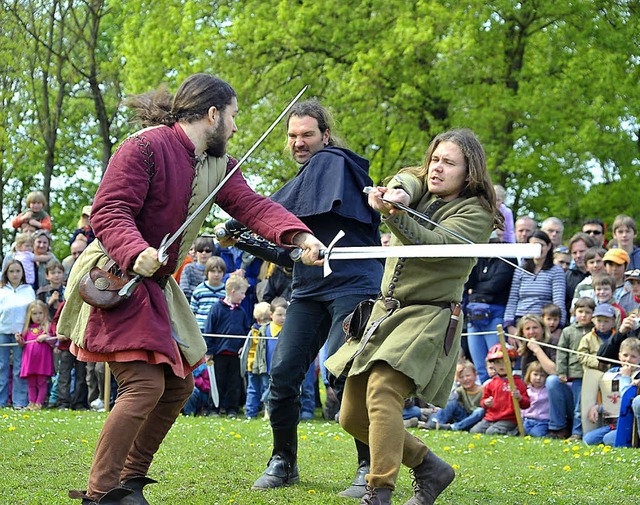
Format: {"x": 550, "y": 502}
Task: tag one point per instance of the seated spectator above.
{"x": 525, "y": 226}
{"x": 630, "y": 301}
{"x": 625, "y": 231}
{"x": 603, "y": 286}
{"x": 35, "y": 217}
{"x": 463, "y": 410}
{"x": 554, "y": 228}
{"x": 198, "y": 402}
{"x": 551, "y": 315}
{"x": 83, "y": 226}
{"x": 578, "y": 246}
{"x": 487, "y": 294}
{"x": 529, "y": 293}
{"x": 209, "y": 291}
{"x": 595, "y": 229}
{"x": 562, "y": 258}
{"x": 194, "y": 273}
{"x": 616, "y": 262}
{"x": 612, "y": 386}
{"x": 532, "y": 328}
{"x": 536, "y": 417}
{"x": 565, "y": 388}
{"x": 77, "y": 247}
{"x": 500, "y": 416}
{"x": 594, "y": 264}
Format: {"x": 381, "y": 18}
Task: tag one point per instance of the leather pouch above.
{"x": 99, "y": 286}
{"x": 355, "y": 323}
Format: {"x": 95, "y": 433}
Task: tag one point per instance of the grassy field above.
{"x": 214, "y": 461}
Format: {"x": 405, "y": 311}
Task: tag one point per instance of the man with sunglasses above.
{"x": 595, "y": 229}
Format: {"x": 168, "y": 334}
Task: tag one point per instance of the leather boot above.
{"x": 282, "y": 469}
{"x": 112, "y": 497}
{"x": 430, "y": 478}
{"x": 357, "y": 487}
{"x": 376, "y": 496}
{"x": 137, "y": 484}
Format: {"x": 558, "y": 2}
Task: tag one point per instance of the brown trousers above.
{"x": 371, "y": 411}
{"x": 150, "y": 398}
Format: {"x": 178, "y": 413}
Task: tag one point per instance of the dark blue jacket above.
{"x": 225, "y": 320}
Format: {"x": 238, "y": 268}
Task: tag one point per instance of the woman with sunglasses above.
{"x": 193, "y": 273}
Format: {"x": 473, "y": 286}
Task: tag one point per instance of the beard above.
{"x": 217, "y": 140}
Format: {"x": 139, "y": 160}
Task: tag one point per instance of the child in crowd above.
{"x": 35, "y": 217}
{"x": 604, "y": 322}
{"x": 83, "y": 226}
{"x": 210, "y": 291}
{"x": 37, "y": 353}
{"x": 594, "y": 265}
{"x": 612, "y": 386}
{"x": 500, "y": 416}
{"x": 616, "y": 262}
{"x": 194, "y": 273}
{"x": 227, "y": 318}
{"x": 52, "y": 293}
{"x": 532, "y": 328}
{"x": 463, "y": 408}
{"x": 198, "y": 402}
{"x": 562, "y": 257}
{"x": 491, "y": 371}
{"x": 603, "y": 288}
{"x": 551, "y": 314}
{"x": 258, "y": 383}
{"x": 536, "y": 417}
{"x": 565, "y": 388}
{"x": 630, "y": 301}
{"x": 23, "y": 252}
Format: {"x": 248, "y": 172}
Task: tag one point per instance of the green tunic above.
{"x": 411, "y": 340}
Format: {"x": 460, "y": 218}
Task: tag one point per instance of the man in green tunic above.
{"x": 411, "y": 342}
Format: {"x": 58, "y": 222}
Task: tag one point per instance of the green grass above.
{"x": 211, "y": 461}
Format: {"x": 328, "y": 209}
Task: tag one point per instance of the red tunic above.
{"x": 144, "y": 196}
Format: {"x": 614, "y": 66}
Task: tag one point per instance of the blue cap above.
{"x": 604, "y": 309}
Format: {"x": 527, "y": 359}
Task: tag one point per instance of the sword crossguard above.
{"x": 327, "y": 253}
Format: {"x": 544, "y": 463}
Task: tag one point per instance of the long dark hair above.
{"x": 5, "y": 278}
{"x": 478, "y": 182}
{"x": 195, "y": 96}
{"x": 529, "y": 265}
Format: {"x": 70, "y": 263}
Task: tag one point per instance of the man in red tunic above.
{"x": 154, "y": 181}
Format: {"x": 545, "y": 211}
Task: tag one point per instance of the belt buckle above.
{"x": 391, "y": 304}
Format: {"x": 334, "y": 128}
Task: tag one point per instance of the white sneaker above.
{"x": 97, "y": 404}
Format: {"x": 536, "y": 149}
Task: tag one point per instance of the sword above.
{"x": 167, "y": 241}
{"x": 426, "y": 251}
{"x": 367, "y": 189}
{"x": 213, "y": 384}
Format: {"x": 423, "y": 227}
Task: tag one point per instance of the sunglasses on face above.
{"x": 593, "y": 232}
{"x": 205, "y": 250}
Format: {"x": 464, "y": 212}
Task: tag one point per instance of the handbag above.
{"x": 355, "y": 323}
{"x": 478, "y": 311}
{"x": 99, "y": 286}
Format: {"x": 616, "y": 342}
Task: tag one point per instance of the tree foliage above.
{"x": 551, "y": 88}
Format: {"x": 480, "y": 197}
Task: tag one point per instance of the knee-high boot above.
{"x": 282, "y": 469}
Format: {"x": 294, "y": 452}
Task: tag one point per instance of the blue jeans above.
{"x": 597, "y": 436}
{"x": 455, "y": 414}
{"x": 308, "y": 325}
{"x": 308, "y": 393}
{"x": 257, "y": 385}
{"x": 564, "y": 404}
{"x": 19, "y": 387}
{"x": 479, "y": 345}
{"x": 536, "y": 427}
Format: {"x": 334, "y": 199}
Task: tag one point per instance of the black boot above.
{"x": 430, "y": 478}
{"x": 282, "y": 469}
{"x": 357, "y": 487}
{"x": 376, "y": 496}
{"x": 137, "y": 484}
{"x": 112, "y": 497}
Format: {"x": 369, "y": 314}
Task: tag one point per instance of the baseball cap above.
{"x": 617, "y": 256}
{"x": 604, "y": 309}
{"x": 632, "y": 274}
{"x": 86, "y": 210}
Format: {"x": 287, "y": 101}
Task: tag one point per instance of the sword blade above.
{"x": 436, "y": 251}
